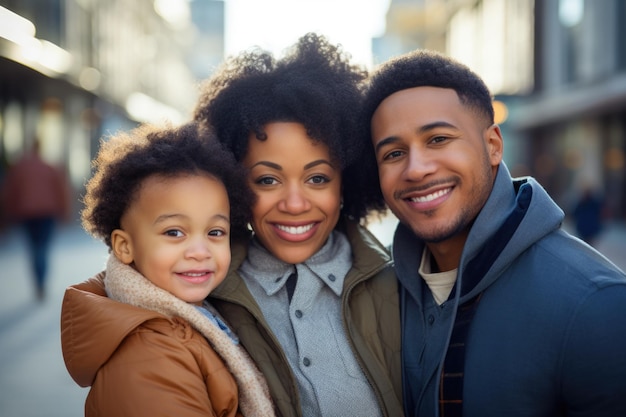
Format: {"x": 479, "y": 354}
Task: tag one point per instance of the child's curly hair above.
{"x": 315, "y": 85}
{"x": 125, "y": 160}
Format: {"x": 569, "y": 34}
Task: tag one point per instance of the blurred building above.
{"x": 72, "y": 71}
{"x": 557, "y": 69}
{"x": 575, "y": 120}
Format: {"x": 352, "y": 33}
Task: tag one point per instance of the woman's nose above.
{"x": 295, "y": 200}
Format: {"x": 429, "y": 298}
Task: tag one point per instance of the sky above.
{"x": 277, "y": 24}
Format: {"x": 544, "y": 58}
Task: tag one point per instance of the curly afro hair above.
{"x": 125, "y": 160}
{"x": 315, "y": 85}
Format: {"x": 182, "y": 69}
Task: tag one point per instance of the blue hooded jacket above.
{"x": 548, "y": 332}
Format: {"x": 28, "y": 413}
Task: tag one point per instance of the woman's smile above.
{"x": 296, "y": 233}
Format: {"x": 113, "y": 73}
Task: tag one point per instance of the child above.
{"x": 165, "y": 202}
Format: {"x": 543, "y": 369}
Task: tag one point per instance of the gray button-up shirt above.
{"x": 310, "y": 330}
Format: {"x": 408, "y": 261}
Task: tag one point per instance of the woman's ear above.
{"x": 121, "y": 245}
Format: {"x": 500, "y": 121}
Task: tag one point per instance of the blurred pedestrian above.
{"x": 588, "y": 215}
{"x": 36, "y": 195}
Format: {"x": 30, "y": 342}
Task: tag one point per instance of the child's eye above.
{"x": 173, "y": 233}
{"x": 217, "y": 232}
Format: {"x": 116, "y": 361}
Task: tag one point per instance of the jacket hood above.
{"x": 518, "y": 213}
{"x": 93, "y": 326}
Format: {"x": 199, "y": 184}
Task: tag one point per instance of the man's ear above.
{"x": 121, "y": 245}
{"x": 495, "y": 145}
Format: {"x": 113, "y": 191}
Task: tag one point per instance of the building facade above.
{"x": 575, "y": 119}
{"x": 74, "y": 71}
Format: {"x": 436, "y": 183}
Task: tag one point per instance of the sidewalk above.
{"x": 33, "y": 378}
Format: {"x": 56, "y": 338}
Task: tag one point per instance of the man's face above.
{"x": 437, "y": 161}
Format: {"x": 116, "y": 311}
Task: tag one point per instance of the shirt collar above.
{"x": 330, "y": 264}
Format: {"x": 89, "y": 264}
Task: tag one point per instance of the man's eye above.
{"x": 393, "y": 155}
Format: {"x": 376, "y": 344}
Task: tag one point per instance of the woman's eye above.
{"x": 266, "y": 181}
{"x": 319, "y": 179}
{"x": 173, "y": 233}
{"x": 439, "y": 139}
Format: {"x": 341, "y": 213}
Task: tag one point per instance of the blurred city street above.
{"x": 33, "y": 379}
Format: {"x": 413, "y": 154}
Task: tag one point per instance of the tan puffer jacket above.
{"x": 155, "y": 363}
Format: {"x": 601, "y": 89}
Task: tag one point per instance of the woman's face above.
{"x": 298, "y": 190}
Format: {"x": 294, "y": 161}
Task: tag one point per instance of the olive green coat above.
{"x": 370, "y": 315}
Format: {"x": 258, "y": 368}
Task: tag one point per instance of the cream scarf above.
{"x": 126, "y": 285}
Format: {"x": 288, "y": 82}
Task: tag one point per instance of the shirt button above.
{"x": 298, "y": 314}
{"x": 306, "y": 362}
{"x": 431, "y": 319}
{"x": 332, "y": 277}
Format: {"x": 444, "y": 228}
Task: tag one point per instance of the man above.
{"x": 503, "y": 313}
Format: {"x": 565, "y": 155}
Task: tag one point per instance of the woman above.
{"x": 311, "y": 293}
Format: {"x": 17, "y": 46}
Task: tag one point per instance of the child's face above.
{"x": 177, "y": 234}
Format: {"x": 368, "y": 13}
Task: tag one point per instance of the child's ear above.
{"x": 122, "y": 246}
